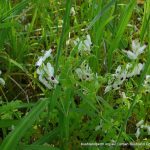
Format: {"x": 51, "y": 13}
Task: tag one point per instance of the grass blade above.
{"x": 12, "y": 12}
{"x": 22, "y": 127}
{"x": 146, "y": 20}
{"x": 121, "y": 28}
{"x": 101, "y": 13}
{"x": 64, "y": 31}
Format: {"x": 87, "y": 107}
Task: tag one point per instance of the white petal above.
{"x": 140, "y": 123}
{"x": 131, "y": 55}
{"x": 79, "y": 73}
{"x": 40, "y": 71}
{"x": 72, "y": 11}
{"x": 50, "y": 69}
{"x": 45, "y": 82}
{"x": 141, "y": 50}
{"x": 97, "y": 128}
{"x": 128, "y": 66}
{"x": 39, "y": 62}
{"x": 76, "y": 42}
{"x": 118, "y": 70}
{"x": 2, "y": 82}
{"x": 81, "y": 46}
{"x": 137, "y": 134}
{"x": 137, "y": 69}
{"x": 47, "y": 54}
{"x": 148, "y": 130}
{"x": 88, "y": 42}
{"x": 135, "y": 45}
{"x": 108, "y": 88}
{"x": 116, "y": 85}
{"x": 147, "y": 77}
{"x": 43, "y": 58}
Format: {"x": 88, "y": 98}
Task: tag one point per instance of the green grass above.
{"x": 77, "y": 109}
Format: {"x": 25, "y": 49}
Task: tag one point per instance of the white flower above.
{"x": 84, "y": 72}
{"x": 45, "y": 82}
{"x": 136, "y": 70}
{"x": 148, "y": 130}
{"x": 46, "y": 71}
{"x": 136, "y": 50}
{"x": 97, "y": 128}
{"x": 43, "y": 58}
{"x": 84, "y": 46}
{"x": 138, "y": 132}
{"x": 50, "y": 72}
{"x": 88, "y": 43}
{"x": 136, "y": 47}
{"x": 147, "y": 80}
{"x": 2, "y": 82}
{"x": 116, "y": 80}
{"x": 72, "y": 11}
{"x": 108, "y": 88}
{"x": 146, "y": 84}
{"x": 118, "y": 70}
{"x": 140, "y": 123}
{"x": 46, "y": 75}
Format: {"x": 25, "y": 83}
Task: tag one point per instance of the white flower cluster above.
{"x": 146, "y": 84}
{"x": 140, "y": 125}
{"x": 130, "y": 70}
{"x": 121, "y": 75}
{"x": 136, "y": 50}
{"x": 2, "y": 82}
{"x": 84, "y": 46}
{"x": 85, "y": 72}
{"x": 46, "y": 71}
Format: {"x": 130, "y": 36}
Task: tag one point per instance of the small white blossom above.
{"x": 147, "y": 80}
{"x": 108, "y": 88}
{"x": 97, "y": 128}
{"x": 121, "y": 75}
{"x": 46, "y": 75}
{"x": 44, "y": 57}
{"x": 2, "y": 82}
{"x": 116, "y": 80}
{"x": 46, "y": 71}
{"x": 146, "y": 84}
{"x": 84, "y": 72}
{"x": 148, "y": 130}
{"x": 140, "y": 123}
{"x": 72, "y": 11}
{"x": 136, "y": 50}
{"x": 136, "y": 70}
{"x": 88, "y": 43}
{"x": 84, "y": 46}
{"x": 138, "y": 132}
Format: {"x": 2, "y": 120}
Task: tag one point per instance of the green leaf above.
{"x": 48, "y": 137}
{"x": 10, "y": 142}
{"x": 145, "y": 20}
{"x": 13, "y": 11}
{"x": 101, "y": 13}
{"x": 121, "y": 28}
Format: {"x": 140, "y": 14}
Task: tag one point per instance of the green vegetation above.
{"x": 74, "y": 74}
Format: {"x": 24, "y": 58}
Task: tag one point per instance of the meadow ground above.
{"x": 74, "y": 74}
